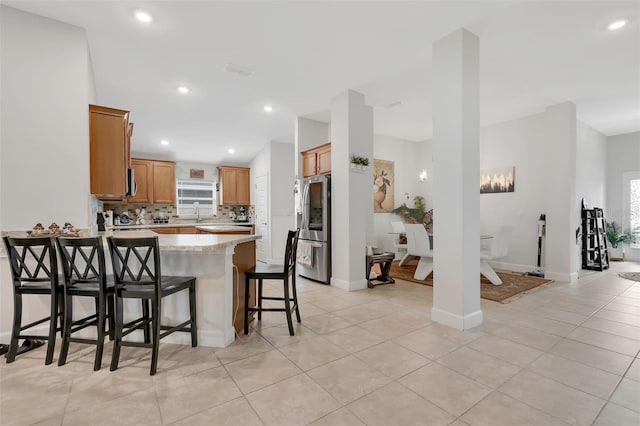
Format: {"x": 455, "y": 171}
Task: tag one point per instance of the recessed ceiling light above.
{"x": 268, "y": 108}
{"x": 164, "y": 142}
{"x": 231, "y": 150}
{"x": 143, "y": 16}
{"x": 183, "y": 89}
{"x": 617, "y": 25}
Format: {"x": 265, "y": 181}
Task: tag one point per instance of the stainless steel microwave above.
{"x": 132, "y": 187}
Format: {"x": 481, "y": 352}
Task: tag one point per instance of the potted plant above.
{"x": 616, "y": 237}
{"x": 358, "y": 162}
{"x": 417, "y": 214}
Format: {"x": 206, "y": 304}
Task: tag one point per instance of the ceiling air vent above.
{"x": 238, "y": 69}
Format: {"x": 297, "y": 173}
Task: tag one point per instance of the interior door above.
{"x": 263, "y": 246}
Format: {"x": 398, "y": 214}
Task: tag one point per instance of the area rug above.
{"x": 513, "y": 283}
{"x": 634, "y": 276}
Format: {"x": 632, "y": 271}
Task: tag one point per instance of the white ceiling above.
{"x": 532, "y": 55}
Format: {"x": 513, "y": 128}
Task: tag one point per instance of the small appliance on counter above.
{"x": 124, "y": 219}
{"x": 140, "y": 220}
{"x": 108, "y": 218}
{"x": 100, "y": 220}
{"x": 242, "y": 217}
{"x": 160, "y": 220}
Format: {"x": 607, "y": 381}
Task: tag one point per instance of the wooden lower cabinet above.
{"x": 165, "y": 230}
{"x": 187, "y": 230}
{"x": 244, "y": 258}
{"x": 175, "y": 230}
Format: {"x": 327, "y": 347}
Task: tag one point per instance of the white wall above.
{"x": 281, "y": 199}
{"x": 623, "y": 155}
{"x": 520, "y": 143}
{"x": 409, "y": 159}
{"x": 591, "y": 173}
{"x": 308, "y": 134}
{"x": 276, "y": 160}
{"x": 543, "y": 150}
{"x": 47, "y": 85}
{"x": 183, "y": 170}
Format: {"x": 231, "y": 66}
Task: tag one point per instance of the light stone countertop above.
{"x": 223, "y": 228}
{"x": 187, "y": 242}
{"x": 197, "y": 243}
{"x": 180, "y": 225}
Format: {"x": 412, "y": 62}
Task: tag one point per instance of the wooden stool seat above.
{"x": 34, "y": 270}
{"x": 275, "y": 272}
{"x": 85, "y": 275}
{"x": 137, "y": 274}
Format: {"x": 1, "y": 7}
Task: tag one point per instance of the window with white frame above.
{"x": 631, "y": 206}
{"x": 196, "y": 198}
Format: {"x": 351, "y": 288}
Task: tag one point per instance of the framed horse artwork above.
{"x": 383, "y": 186}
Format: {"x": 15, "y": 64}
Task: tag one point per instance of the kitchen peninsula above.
{"x": 211, "y": 258}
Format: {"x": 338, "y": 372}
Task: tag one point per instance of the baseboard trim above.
{"x": 515, "y": 267}
{"x": 466, "y": 322}
{"x": 556, "y": 276}
{"x": 561, "y": 276}
{"x": 349, "y": 285}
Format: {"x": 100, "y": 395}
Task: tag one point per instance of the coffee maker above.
{"x": 104, "y": 220}
{"x": 242, "y": 217}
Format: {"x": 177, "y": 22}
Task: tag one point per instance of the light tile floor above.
{"x": 565, "y": 354}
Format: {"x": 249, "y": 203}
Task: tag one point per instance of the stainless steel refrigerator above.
{"x": 313, "y": 213}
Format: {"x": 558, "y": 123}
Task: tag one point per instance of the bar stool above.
{"x": 85, "y": 275}
{"x": 34, "y": 270}
{"x": 275, "y": 272}
{"x": 137, "y": 275}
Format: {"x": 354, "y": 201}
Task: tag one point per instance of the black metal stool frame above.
{"x": 40, "y": 279}
{"x": 83, "y": 263}
{"x": 275, "y": 272}
{"x": 148, "y": 284}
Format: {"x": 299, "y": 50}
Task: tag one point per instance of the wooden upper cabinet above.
{"x": 156, "y": 181}
{"x": 324, "y": 160}
{"x": 308, "y": 163}
{"x": 242, "y": 186}
{"x": 143, "y": 172}
{"x": 109, "y": 145}
{"x": 234, "y": 185}
{"x": 316, "y": 161}
{"x": 164, "y": 182}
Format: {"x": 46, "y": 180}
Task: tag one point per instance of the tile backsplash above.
{"x": 171, "y": 211}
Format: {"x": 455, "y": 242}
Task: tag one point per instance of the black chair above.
{"x": 85, "y": 275}
{"x": 275, "y": 272}
{"x": 137, "y": 275}
{"x": 34, "y": 270}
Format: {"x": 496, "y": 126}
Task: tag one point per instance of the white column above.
{"x": 456, "y": 188}
{"x": 559, "y": 180}
{"x": 351, "y": 199}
